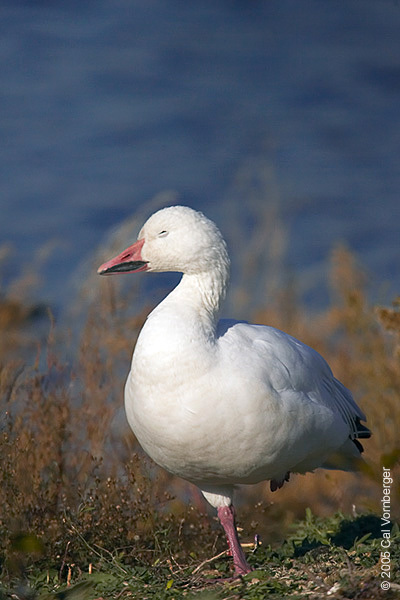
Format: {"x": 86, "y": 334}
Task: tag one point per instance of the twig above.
{"x": 63, "y": 562}
{"x": 205, "y": 562}
{"x": 99, "y": 554}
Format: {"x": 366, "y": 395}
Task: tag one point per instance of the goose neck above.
{"x": 204, "y": 292}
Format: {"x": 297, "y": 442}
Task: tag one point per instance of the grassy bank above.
{"x": 335, "y": 557}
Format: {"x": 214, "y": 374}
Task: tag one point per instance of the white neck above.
{"x": 202, "y": 292}
{"x": 180, "y": 331}
{"x": 184, "y": 320}
{"x": 179, "y": 336}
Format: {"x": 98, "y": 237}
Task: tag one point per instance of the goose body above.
{"x": 221, "y": 403}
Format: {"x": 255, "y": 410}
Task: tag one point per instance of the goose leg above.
{"x": 226, "y": 515}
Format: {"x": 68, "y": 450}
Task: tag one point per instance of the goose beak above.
{"x": 129, "y": 261}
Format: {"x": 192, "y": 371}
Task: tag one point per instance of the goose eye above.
{"x": 163, "y": 233}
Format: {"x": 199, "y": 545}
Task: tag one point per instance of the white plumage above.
{"x": 224, "y": 403}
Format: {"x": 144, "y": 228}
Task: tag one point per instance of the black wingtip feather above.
{"x": 362, "y": 431}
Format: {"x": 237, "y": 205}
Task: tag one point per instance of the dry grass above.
{"x": 74, "y": 487}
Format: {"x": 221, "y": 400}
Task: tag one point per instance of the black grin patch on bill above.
{"x": 124, "y": 267}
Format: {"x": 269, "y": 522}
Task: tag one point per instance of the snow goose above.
{"x": 221, "y": 403}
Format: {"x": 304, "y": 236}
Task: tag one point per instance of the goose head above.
{"x": 176, "y": 238}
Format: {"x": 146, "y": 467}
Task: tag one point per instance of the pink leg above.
{"x": 226, "y": 515}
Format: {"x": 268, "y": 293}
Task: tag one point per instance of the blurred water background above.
{"x": 278, "y": 115}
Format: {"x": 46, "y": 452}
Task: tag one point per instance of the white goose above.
{"x": 221, "y": 403}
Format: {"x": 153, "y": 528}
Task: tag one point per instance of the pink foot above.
{"x": 226, "y": 515}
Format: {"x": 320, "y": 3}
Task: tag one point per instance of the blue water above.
{"x": 106, "y": 103}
